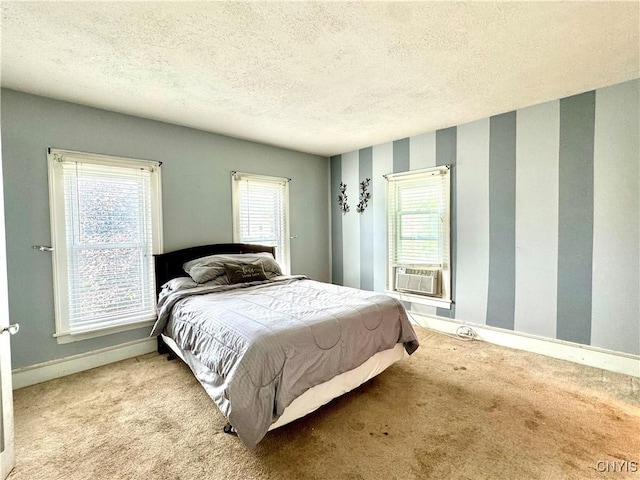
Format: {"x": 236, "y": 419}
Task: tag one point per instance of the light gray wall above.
{"x": 546, "y": 225}
{"x": 196, "y": 194}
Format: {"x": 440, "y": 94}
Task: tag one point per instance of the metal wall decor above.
{"x": 364, "y": 195}
{"x": 342, "y": 198}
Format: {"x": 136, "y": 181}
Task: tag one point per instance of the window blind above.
{"x": 261, "y": 213}
{"x": 418, "y": 217}
{"x": 105, "y": 266}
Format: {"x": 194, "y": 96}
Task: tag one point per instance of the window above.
{"x": 419, "y": 235}
{"x": 261, "y": 213}
{"x": 106, "y": 225}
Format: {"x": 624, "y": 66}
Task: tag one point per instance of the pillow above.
{"x": 179, "y": 283}
{"x": 211, "y": 268}
{"x": 252, "y": 272}
{"x": 183, "y": 283}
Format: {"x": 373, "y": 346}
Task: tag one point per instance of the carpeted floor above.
{"x": 454, "y": 410}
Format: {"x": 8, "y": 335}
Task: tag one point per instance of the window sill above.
{"x": 68, "y": 337}
{"x": 420, "y": 299}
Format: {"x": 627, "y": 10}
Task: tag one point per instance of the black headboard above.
{"x": 169, "y": 265}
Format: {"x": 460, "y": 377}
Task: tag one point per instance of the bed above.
{"x": 270, "y": 348}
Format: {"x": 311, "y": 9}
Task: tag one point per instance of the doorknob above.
{"x": 12, "y": 329}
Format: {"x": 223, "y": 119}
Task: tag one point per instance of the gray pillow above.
{"x": 180, "y": 283}
{"x": 211, "y": 268}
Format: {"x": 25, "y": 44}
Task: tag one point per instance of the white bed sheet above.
{"x": 316, "y": 396}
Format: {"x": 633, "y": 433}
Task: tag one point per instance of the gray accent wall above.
{"x": 336, "y": 221}
{"x": 401, "y": 155}
{"x": 575, "y": 222}
{"x": 446, "y": 154}
{"x": 196, "y": 194}
{"x": 502, "y": 221}
{"x": 545, "y": 217}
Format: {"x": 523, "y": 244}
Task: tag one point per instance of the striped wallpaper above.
{"x": 545, "y": 217}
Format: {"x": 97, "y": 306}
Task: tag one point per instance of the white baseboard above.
{"x": 42, "y": 372}
{"x": 573, "y": 352}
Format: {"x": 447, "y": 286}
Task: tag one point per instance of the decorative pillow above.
{"x": 252, "y": 272}
{"x": 211, "y": 268}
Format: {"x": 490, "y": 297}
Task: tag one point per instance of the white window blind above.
{"x": 105, "y": 218}
{"x": 418, "y": 220}
{"x": 261, "y": 213}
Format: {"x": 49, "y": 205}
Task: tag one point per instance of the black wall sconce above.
{"x": 364, "y": 195}
{"x": 342, "y": 198}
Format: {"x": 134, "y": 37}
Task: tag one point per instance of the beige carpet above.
{"x": 458, "y": 410}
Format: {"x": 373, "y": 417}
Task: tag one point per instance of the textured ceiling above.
{"x": 318, "y": 77}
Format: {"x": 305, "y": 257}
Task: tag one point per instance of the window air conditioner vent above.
{"x": 424, "y": 281}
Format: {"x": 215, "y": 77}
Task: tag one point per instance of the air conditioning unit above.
{"x": 421, "y": 281}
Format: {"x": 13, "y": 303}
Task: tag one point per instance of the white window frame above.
{"x": 444, "y": 300}
{"x": 64, "y": 332}
{"x": 236, "y": 178}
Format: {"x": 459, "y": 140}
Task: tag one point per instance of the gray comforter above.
{"x": 268, "y": 342}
